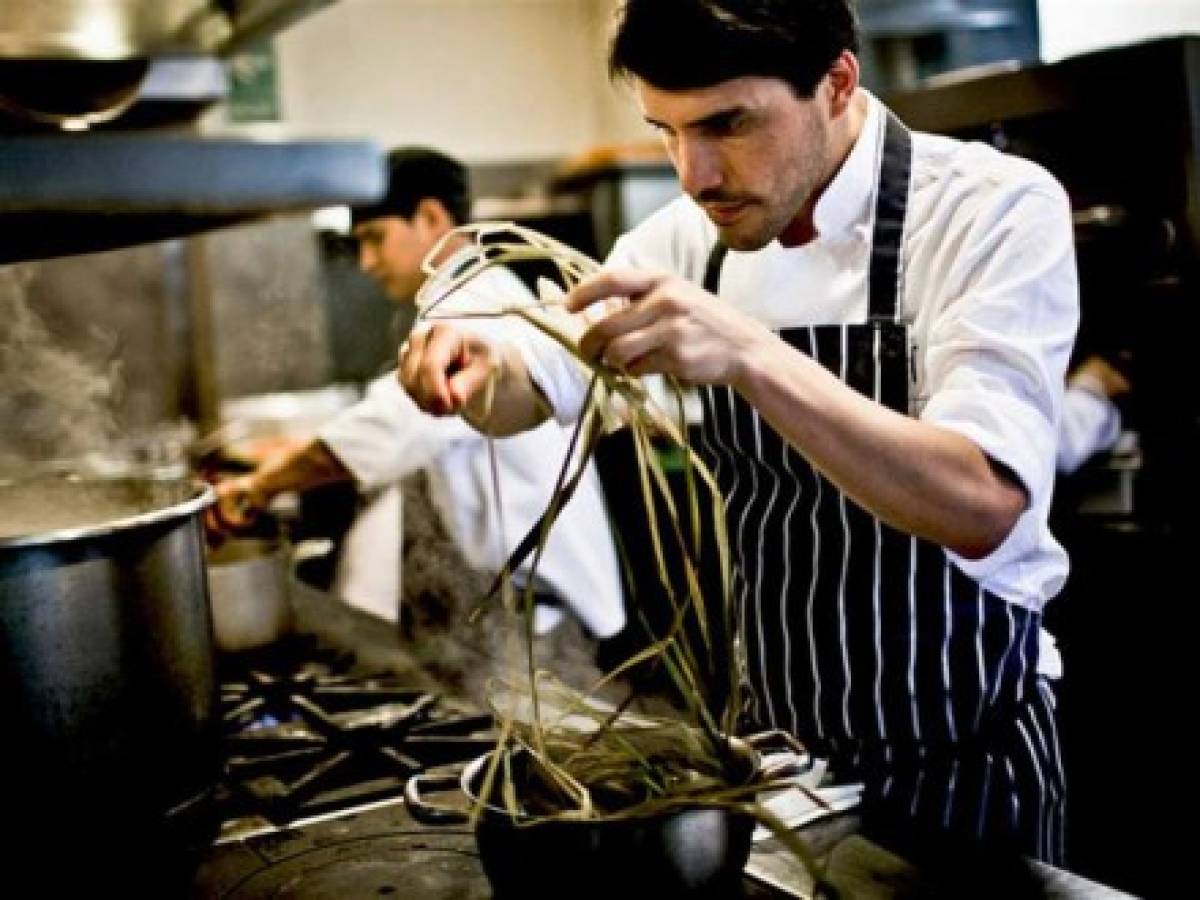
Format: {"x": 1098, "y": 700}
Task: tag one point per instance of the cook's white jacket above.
{"x": 386, "y": 436}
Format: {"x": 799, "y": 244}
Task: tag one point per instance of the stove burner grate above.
{"x": 306, "y": 740}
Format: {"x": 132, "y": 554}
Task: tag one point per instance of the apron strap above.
{"x": 895, "y": 175}
{"x": 712, "y": 270}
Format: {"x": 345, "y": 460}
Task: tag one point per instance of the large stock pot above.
{"x": 107, "y": 686}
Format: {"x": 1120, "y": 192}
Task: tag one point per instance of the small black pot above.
{"x": 690, "y": 852}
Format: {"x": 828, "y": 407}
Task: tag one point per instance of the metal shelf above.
{"x": 66, "y": 194}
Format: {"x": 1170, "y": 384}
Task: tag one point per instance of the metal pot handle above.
{"x": 431, "y": 813}
{"x": 790, "y": 759}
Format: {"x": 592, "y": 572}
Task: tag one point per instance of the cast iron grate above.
{"x": 305, "y": 734}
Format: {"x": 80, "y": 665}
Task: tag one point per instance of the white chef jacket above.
{"x": 1091, "y": 424}
{"x": 386, "y": 436}
{"x": 989, "y": 292}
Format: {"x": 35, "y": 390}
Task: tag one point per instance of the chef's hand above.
{"x": 669, "y": 327}
{"x": 239, "y": 504}
{"x": 446, "y": 370}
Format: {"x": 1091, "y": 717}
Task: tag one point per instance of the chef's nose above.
{"x": 699, "y": 165}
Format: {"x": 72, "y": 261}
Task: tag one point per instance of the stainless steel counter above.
{"x": 865, "y": 871}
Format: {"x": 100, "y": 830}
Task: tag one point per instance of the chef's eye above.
{"x": 723, "y": 124}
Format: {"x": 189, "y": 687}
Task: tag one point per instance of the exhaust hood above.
{"x": 129, "y": 29}
{"x": 80, "y": 170}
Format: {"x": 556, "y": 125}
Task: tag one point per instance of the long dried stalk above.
{"x": 588, "y": 759}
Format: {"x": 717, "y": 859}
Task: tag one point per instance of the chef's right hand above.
{"x": 444, "y": 369}
{"x": 239, "y": 504}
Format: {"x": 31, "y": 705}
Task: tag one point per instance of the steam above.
{"x": 440, "y": 593}
{"x": 54, "y": 403}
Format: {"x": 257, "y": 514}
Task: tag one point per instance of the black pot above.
{"x": 107, "y": 687}
{"x": 690, "y": 852}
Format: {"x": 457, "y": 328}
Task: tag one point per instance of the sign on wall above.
{"x": 254, "y": 85}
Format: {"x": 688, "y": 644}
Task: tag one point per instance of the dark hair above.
{"x": 684, "y": 44}
{"x": 416, "y": 174}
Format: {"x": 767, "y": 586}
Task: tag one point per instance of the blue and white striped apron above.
{"x": 868, "y": 643}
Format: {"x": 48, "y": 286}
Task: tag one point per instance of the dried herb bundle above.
{"x": 562, "y": 753}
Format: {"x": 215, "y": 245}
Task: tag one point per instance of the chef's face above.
{"x": 749, "y": 151}
{"x": 390, "y": 250}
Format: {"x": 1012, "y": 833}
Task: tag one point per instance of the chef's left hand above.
{"x": 670, "y": 327}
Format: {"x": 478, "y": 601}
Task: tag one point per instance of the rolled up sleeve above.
{"x": 659, "y": 243}
{"x": 999, "y": 347}
{"x": 561, "y": 378}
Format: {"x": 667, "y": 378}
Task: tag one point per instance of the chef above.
{"x": 386, "y": 437}
{"x": 879, "y": 323}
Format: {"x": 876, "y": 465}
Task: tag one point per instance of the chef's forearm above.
{"x": 915, "y": 476}
{"x": 311, "y": 466}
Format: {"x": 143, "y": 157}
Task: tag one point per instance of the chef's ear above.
{"x": 841, "y": 82}
{"x": 432, "y": 215}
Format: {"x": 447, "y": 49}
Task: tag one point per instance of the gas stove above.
{"x": 320, "y": 734}
{"x": 307, "y": 732}
{"x": 317, "y": 749}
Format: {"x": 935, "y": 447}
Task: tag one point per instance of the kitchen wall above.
{"x": 509, "y": 85}
{"x": 488, "y": 80}
{"x": 1071, "y": 27}
{"x": 268, "y": 308}
{"x": 502, "y": 80}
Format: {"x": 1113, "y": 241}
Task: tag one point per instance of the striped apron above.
{"x": 868, "y": 643}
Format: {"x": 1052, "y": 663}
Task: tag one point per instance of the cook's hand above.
{"x": 1097, "y": 374}
{"x": 670, "y": 327}
{"x": 444, "y": 369}
{"x": 239, "y": 504}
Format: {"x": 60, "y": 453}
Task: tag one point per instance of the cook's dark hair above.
{"x": 686, "y": 44}
{"x": 416, "y": 174}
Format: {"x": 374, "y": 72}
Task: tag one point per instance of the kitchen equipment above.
{"x": 309, "y": 733}
{"x": 286, "y": 414}
{"x": 71, "y": 193}
{"x": 256, "y": 427}
{"x": 906, "y": 41}
{"x": 796, "y": 807}
{"x": 333, "y": 825}
{"x": 48, "y": 91}
{"x": 114, "y": 29}
{"x": 248, "y": 583}
{"x": 250, "y": 587}
{"x": 106, "y": 676}
{"x": 689, "y": 852}
{"x": 618, "y": 186}
{"x": 127, "y": 68}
